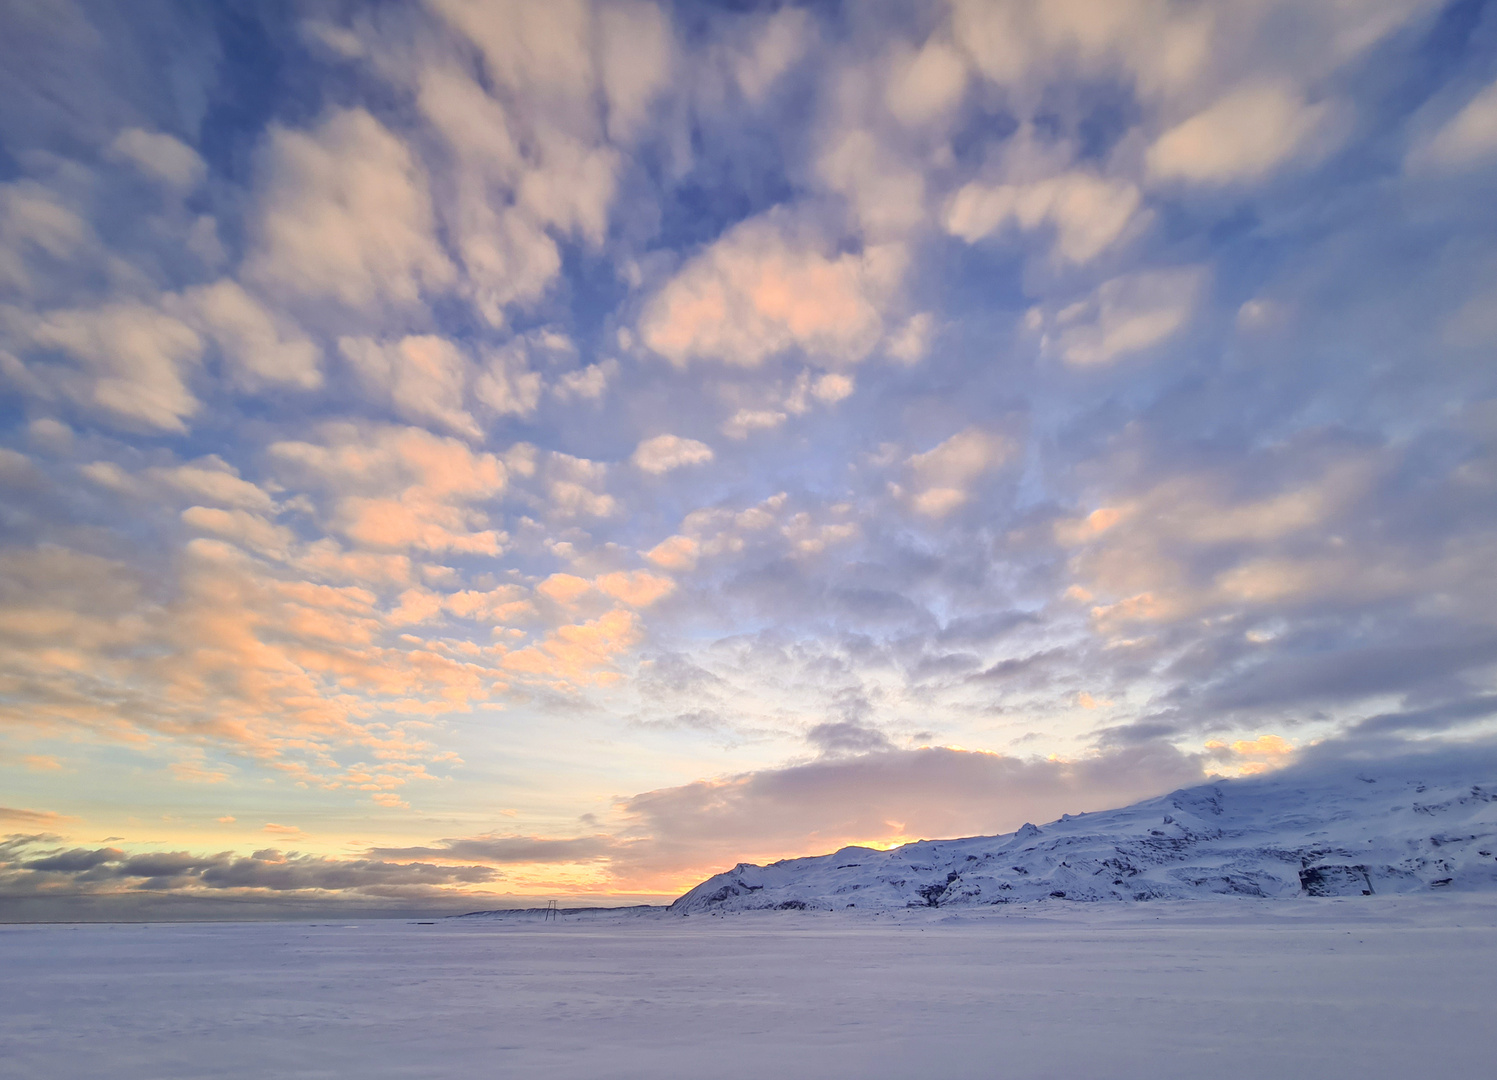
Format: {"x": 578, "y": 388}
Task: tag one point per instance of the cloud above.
{"x": 765, "y": 288}
{"x": 942, "y": 477}
{"x": 674, "y": 553}
{"x": 1167, "y": 554}
{"x": 885, "y": 193}
{"x": 634, "y": 63}
{"x": 213, "y": 480}
{"x": 1128, "y": 314}
{"x": 505, "y": 850}
{"x": 161, "y": 156}
{"x": 579, "y": 653}
{"x": 847, "y": 737}
{"x": 1244, "y": 136}
{"x": 423, "y": 377}
{"x": 104, "y": 871}
{"x": 532, "y": 144}
{"x": 638, "y": 588}
{"x": 134, "y": 362}
{"x": 344, "y": 214}
{"x": 758, "y": 60}
{"x": 398, "y": 488}
{"x": 832, "y": 387}
{"x": 662, "y": 453}
{"x": 564, "y": 588}
{"x": 882, "y": 796}
{"x": 572, "y": 488}
{"x": 745, "y": 422}
{"x": 1442, "y": 717}
{"x": 589, "y": 383}
{"x": 264, "y": 348}
{"x": 926, "y": 82}
{"x": 30, "y": 819}
{"x": 508, "y": 386}
{"x": 911, "y": 342}
{"x": 1014, "y": 43}
{"x": 37, "y": 230}
{"x": 1466, "y": 138}
{"x": 1088, "y": 213}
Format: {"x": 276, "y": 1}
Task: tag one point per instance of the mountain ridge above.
{"x": 1420, "y": 823}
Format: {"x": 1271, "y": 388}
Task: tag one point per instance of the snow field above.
{"x": 1364, "y": 987}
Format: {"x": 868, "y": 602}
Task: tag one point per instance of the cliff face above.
{"x": 1350, "y": 830}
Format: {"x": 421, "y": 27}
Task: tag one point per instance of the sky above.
{"x": 467, "y": 453}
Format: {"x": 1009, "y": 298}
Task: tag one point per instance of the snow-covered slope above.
{"x": 1348, "y": 830}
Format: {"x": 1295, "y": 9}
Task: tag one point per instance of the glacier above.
{"x": 1351, "y": 828}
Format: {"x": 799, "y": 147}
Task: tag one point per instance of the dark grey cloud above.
{"x": 30, "y": 870}
{"x": 1433, "y": 718}
{"x": 847, "y": 737}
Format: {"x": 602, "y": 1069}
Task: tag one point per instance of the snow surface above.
{"x": 1364, "y": 988}
{"x": 1409, "y": 825}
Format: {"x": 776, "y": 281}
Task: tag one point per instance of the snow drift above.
{"x": 1344, "y": 829}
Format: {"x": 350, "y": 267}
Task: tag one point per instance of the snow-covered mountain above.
{"x": 1345, "y": 830}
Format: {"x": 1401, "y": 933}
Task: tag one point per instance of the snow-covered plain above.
{"x": 1363, "y": 987}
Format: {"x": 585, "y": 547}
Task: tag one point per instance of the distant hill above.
{"x": 1345, "y": 829}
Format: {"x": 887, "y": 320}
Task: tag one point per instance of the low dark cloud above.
{"x": 847, "y": 737}
{"x": 35, "y": 876}
{"x": 1431, "y": 719}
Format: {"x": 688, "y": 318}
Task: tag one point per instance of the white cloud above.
{"x": 634, "y": 63}
{"x": 910, "y": 343}
{"x": 884, "y": 190}
{"x": 1242, "y": 137}
{"x": 675, "y": 553}
{"x": 242, "y": 527}
{"x": 262, "y": 347}
{"x": 926, "y": 83}
{"x": 589, "y": 383}
{"x": 344, "y": 213}
{"x": 638, "y": 588}
{"x": 422, "y": 377}
{"x": 666, "y": 452}
{"x": 573, "y": 487}
{"x": 1128, "y": 314}
{"x": 942, "y": 477}
{"x": 1159, "y": 44}
{"x": 832, "y": 387}
{"x": 160, "y": 156}
{"x": 763, "y": 289}
{"x": 532, "y": 156}
{"x": 35, "y": 222}
{"x": 1467, "y": 137}
{"x": 136, "y": 360}
{"x": 1089, "y": 213}
{"x": 779, "y": 45}
{"x": 394, "y": 488}
{"x": 745, "y": 422}
{"x": 506, "y": 384}
{"x": 506, "y": 253}
{"x": 214, "y": 480}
